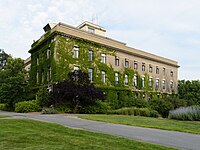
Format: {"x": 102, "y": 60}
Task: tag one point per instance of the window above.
{"x": 157, "y": 70}
{"x": 126, "y": 63}
{"x": 91, "y": 30}
{"x": 157, "y": 84}
{"x": 164, "y": 71}
{"x": 103, "y": 76}
{"x": 90, "y": 55}
{"x": 48, "y": 53}
{"x": 150, "y": 69}
{"x": 135, "y": 65}
{"x": 76, "y": 52}
{"x": 116, "y": 61}
{"x": 143, "y": 82}
{"x": 171, "y": 84}
{"x": 76, "y": 68}
{"x": 90, "y": 74}
{"x": 163, "y": 84}
{"x": 143, "y": 66}
{"x": 150, "y": 82}
{"x": 126, "y": 79}
{"x": 171, "y": 73}
{"x": 49, "y": 74}
{"x": 103, "y": 58}
{"x": 116, "y": 77}
{"x": 135, "y": 80}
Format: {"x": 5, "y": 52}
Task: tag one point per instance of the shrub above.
{"x": 63, "y": 109}
{"x": 140, "y": 103}
{"x": 27, "y": 106}
{"x": 43, "y": 97}
{"x": 135, "y": 111}
{"x": 176, "y": 101}
{"x": 162, "y": 106}
{"x": 112, "y": 99}
{"x": 49, "y": 110}
{"x": 186, "y": 113}
{"x": 3, "y": 107}
{"x": 99, "y": 108}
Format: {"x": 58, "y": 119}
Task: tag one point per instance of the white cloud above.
{"x": 167, "y": 28}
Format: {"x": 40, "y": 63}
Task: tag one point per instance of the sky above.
{"x": 169, "y": 28}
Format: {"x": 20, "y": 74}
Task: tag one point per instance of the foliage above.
{"x": 176, "y": 101}
{"x": 135, "y": 111}
{"x": 65, "y": 61}
{"x": 3, "y": 107}
{"x": 185, "y": 113}
{"x": 63, "y": 109}
{"x": 163, "y": 106}
{"x": 189, "y": 90}
{"x": 77, "y": 92}
{"x": 27, "y": 106}
{"x": 49, "y": 110}
{"x": 99, "y": 108}
{"x": 122, "y": 97}
{"x": 14, "y": 85}
{"x": 43, "y": 96}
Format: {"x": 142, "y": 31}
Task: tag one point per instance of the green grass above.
{"x": 159, "y": 123}
{"x": 3, "y": 116}
{"x": 17, "y": 134}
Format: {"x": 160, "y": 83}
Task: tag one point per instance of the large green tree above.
{"x": 13, "y": 82}
{"x": 189, "y": 90}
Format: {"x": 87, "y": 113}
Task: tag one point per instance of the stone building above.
{"x": 64, "y": 48}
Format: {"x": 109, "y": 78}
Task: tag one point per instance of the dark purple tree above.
{"x": 77, "y": 92}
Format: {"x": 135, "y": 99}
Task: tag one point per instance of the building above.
{"x": 27, "y": 64}
{"x": 64, "y": 48}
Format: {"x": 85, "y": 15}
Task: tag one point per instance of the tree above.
{"x": 189, "y": 90}
{"x": 3, "y": 58}
{"x": 77, "y": 92}
{"x": 13, "y": 82}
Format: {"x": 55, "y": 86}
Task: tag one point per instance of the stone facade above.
{"x": 62, "y": 49}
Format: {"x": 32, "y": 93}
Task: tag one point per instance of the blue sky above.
{"x": 169, "y": 28}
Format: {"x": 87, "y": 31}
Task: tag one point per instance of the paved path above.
{"x": 168, "y": 138}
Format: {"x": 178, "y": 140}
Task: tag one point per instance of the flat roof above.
{"x": 120, "y": 46}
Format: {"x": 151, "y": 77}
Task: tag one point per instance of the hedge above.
{"x": 27, "y": 106}
{"x": 135, "y": 111}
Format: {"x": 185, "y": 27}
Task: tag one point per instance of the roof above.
{"x": 120, "y": 46}
{"x": 91, "y": 25}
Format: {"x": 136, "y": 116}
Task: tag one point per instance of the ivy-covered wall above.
{"x": 61, "y": 62}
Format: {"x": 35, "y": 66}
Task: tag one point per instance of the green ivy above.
{"x": 61, "y": 46}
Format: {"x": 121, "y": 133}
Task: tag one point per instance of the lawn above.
{"x": 27, "y": 134}
{"x": 3, "y": 116}
{"x": 159, "y": 123}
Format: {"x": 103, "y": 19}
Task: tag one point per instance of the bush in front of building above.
{"x": 3, "y": 107}
{"x": 63, "y": 109}
{"x": 49, "y": 110}
{"x": 27, "y": 106}
{"x": 77, "y": 91}
{"x": 162, "y": 106}
{"x": 99, "y": 108}
{"x": 121, "y": 97}
{"x": 191, "y": 113}
{"x": 135, "y": 112}
{"x": 43, "y": 97}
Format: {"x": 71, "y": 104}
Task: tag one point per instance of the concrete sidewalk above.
{"x": 167, "y": 138}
